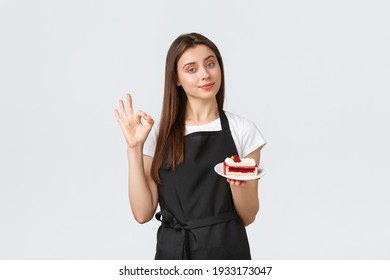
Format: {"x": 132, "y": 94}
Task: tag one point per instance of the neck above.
{"x": 201, "y": 112}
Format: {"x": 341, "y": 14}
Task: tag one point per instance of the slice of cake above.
{"x": 235, "y": 166}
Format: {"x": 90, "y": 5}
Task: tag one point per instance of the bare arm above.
{"x": 142, "y": 189}
{"x": 245, "y": 195}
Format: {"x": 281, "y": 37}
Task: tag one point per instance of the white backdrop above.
{"x": 312, "y": 75}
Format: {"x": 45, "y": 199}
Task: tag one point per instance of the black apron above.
{"x": 198, "y": 219}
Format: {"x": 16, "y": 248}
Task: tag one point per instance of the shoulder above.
{"x": 245, "y": 134}
{"x": 239, "y": 123}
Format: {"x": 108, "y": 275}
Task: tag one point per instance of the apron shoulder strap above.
{"x": 224, "y": 121}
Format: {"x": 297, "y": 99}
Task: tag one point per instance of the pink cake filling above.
{"x": 239, "y": 170}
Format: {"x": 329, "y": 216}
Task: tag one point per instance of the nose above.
{"x": 203, "y": 73}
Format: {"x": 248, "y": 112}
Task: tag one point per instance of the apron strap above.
{"x": 213, "y": 220}
{"x": 224, "y": 121}
{"x": 182, "y": 250}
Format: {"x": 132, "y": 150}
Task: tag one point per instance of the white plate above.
{"x": 219, "y": 169}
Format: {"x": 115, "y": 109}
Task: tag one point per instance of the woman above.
{"x": 203, "y": 215}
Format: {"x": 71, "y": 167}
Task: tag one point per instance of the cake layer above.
{"x": 241, "y": 174}
{"x": 240, "y": 169}
{"x": 241, "y": 163}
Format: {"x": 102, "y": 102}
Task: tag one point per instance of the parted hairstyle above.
{"x": 172, "y": 127}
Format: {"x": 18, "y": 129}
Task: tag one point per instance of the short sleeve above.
{"x": 252, "y": 138}
{"x": 151, "y": 141}
{"x": 247, "y": 137}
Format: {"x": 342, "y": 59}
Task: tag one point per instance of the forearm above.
{"x": 142, "y": 199}
{"x": 246, "y": 201}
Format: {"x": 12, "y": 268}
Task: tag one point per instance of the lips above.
{"x": 207, "y": 86}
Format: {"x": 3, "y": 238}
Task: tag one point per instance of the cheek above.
{"x": 187, "y": 80}
{"x": 217, "y": 73}
{"x": 218, "y": 77}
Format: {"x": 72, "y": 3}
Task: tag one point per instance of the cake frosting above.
{"x": 236, "y": 166}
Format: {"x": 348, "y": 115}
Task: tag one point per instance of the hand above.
{"x": 132, "y": 127}
{"x": 236, "y": 182}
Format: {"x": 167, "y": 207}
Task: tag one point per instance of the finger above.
{"x": 235, "y": 182}
{"x": 149, "y": 123}
{"x": 129, "y": 104}
{"x": 241, "y": 183}
{"x": 150, "y": 119}
{"x": 231, "y": 182}
{"x": 118, "y": 116}
{"x": 141, "y": 114}
{"x": 122, "y": 110}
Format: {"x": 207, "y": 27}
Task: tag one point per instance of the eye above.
{"x": 191, "y": 70}
{"x": 210, "y": 64}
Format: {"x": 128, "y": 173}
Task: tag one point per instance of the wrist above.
{"x": 135, "y": 148}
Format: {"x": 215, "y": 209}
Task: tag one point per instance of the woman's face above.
{"x": 199, "y": 73}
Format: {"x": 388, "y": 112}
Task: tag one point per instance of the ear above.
{"x": 178, "y": 84}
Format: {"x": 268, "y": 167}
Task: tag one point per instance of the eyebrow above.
{"x": 189, "y": 63}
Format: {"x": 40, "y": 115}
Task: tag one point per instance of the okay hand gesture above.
{"x": 133, "y": 129}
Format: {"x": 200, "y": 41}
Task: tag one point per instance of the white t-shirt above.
{"x": 245, "y": 134}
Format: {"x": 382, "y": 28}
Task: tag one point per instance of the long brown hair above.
{"x": 172, "y": 128}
